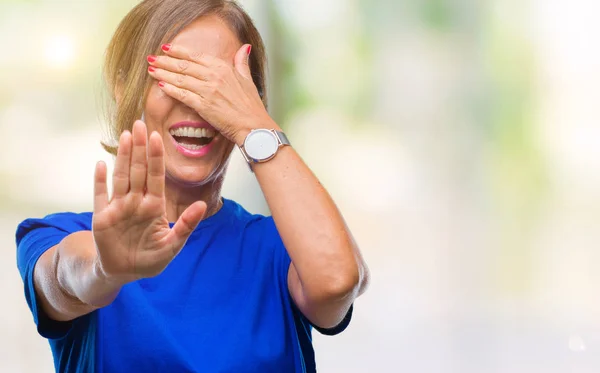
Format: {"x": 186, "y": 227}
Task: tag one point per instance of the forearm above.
{"x": 67, "y": 279}
{"x": 322, "y": 249}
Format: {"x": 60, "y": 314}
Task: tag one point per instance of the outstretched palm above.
{"x": 131, "y": 230}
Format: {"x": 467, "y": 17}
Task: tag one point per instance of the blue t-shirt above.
{"x": 222, "y": 305}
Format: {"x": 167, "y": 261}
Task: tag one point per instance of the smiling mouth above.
{"x": 193, "y": 138}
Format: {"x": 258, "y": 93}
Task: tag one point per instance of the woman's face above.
{"x": 189, "y": 159}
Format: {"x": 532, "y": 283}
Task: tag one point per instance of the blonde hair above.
{"x": 142, "y": 32}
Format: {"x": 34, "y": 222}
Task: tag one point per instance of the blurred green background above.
{"x": 459, "y": 138}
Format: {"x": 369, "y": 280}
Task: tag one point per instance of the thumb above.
{"x": 241, "y": 61}
{"x": 185, "y": 225}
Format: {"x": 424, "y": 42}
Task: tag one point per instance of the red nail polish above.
{"x": 151, "y": 58}
{"x": 161, "y": 84}
{"x": 166, "y": 47}
{"x": 249, "y": 49}
{"x": 151, "y": 69}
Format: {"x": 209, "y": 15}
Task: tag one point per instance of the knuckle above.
{"x": 211, "y": 76}
{"x": 182, "y": 93}
{"x": 180, "y": 79}
{"x": 138, "y": 167}
{"x": 213, "y": 88}
{"x": 120, "y": 177}
{"x": 155, "y": 173}
{"x": 196, "y": 56}
{"x": 183, "y": 65}
{"x": 223, "y": 71}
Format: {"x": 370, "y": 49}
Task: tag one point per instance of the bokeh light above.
{"x": 59, "y": 51}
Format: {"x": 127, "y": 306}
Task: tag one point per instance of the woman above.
{"x": 123, "y": 289}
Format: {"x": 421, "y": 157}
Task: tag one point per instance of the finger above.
{"x": 189, "y": 98}
{"x": 178, "y": 51}
{"x": 185, "y": 225}
{"x": 187, "y": 82}
{"x": 100, "y": 188}
{"x": 179, "y": 66}
{"x": 241, "y": 61}
{"x": 156, "y": 166}
{"x": 138, "y": 158}
{"x": 121, "y": 171}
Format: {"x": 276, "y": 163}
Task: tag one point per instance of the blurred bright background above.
{"x": 460, "y": 138}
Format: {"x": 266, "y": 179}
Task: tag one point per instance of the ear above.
{"x": 241, "y": 61}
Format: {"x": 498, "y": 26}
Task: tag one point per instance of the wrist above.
{"x": 103, "y": 289}
{"x": 110, "y": 282}
{"x": 258, "y": 123}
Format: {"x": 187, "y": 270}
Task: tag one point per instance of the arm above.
{"x": 327, "y": 271}
{"x": 130, "y": 238}
{"x": 67, "y": 282}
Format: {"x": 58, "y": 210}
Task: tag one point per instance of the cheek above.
{"x": 228, "y": 150}
{"x": 157, "y": 109}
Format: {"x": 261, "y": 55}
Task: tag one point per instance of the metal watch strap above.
{"x": 281, "y": 138}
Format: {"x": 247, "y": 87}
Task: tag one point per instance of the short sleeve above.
{"x": 34, "y": 237}
{"x": 284, "y": 265}
{"x": 339, "y": 327}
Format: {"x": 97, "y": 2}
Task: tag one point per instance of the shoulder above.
{"x": 257, "y": 227}
{"x": 67, "y": 222}
{"x": 237, "y": 214}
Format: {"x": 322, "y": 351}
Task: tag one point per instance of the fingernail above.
{"x": 161, "y": 84}
{"x": 151, "y": 69}
{"x": 249, "y": 49}
{"x": 151, "y": 58}
{"x": 166, "y": 47}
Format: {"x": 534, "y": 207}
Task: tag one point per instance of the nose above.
{"x": 189, "y": 113}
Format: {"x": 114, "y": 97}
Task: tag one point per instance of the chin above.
{"x": 186, "y": 171}
{"x": 197, "y": 175}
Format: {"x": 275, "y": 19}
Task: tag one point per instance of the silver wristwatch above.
{"x": 261, "y": 145}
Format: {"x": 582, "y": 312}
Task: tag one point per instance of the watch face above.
{"x": 261, "y": 144}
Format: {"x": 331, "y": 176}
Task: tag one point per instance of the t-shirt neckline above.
{"x": 219, "y": 216}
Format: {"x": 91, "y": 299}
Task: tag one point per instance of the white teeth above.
{"x": 192, "y": 146}
{"x": 193, "y": 132}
